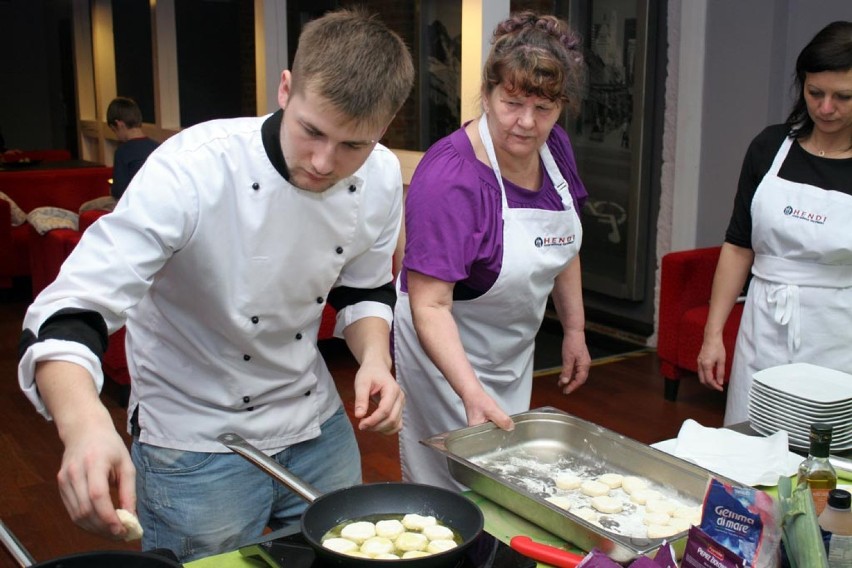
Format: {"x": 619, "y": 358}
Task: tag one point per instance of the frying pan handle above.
{"x": 15, "y": 548}
{"x": 240, "y": 446}
{"x": 545, "y": 553}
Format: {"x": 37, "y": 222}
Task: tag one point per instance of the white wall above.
{"x": 730, "y": 70}
{"x": 749, "y": 59}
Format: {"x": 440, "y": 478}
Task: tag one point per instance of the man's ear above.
{"x": 285, "y": 88}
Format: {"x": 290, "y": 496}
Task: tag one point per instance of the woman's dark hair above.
{"x": 829, "y": 50}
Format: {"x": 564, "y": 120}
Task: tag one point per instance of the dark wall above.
{"x": 37, "y": 105}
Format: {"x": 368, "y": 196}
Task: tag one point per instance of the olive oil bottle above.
{"x": 816, "y": 470}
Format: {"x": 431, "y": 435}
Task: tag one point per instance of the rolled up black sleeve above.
{"x": 344, "y": 296}
{"x": 70, "y": 324}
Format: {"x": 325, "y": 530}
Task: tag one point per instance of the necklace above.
{"x": 821, "y": 153}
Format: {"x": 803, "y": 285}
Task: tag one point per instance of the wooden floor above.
{"x": 623, "y": 395}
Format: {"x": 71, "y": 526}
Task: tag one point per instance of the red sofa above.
{"x": 686, "y": 279}
{"x": 67, "y": 188}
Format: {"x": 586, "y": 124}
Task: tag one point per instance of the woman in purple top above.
{"x": 492, "y": 229}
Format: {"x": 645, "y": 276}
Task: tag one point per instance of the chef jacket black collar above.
{"x": 270, "y": 134}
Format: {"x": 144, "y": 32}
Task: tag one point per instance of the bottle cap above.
{"x": 821, "y": 429}
{"x": 839, "y": 499}
{"x": 820, "y": 439}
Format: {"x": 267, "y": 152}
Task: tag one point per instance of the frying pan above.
{"x": 96, "y": 559}
{"x": 325, "y": 512}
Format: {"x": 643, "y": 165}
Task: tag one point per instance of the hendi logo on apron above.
{"x": 554, "y": 241}
{"x": 805, "y": 216}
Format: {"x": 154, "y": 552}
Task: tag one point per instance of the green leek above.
{"x": 799, "y": 527}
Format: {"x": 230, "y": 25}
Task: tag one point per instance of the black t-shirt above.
{"x": 799, "y": 166}
{"x": 128, "y": 159}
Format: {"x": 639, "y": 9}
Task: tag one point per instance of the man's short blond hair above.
{"x": 355, "y": 62}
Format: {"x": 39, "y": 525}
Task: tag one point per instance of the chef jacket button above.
{"x": 246, "y": 399}
{"x": 255, "y": 319}
{"x": 352, "y": 189}
{"x": 255, "y": 186}
{"x": 339, "y": 250}
{"x": 298, "y": 336}
{"x": 246, "y": 357}
{"x": 308, "y": 393}
{"x": 319, "y": 300}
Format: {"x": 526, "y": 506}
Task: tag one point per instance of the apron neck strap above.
{"x": 485, "y": 136}
{"x": 550, "y": 166}
{"x": 780, "y": 156}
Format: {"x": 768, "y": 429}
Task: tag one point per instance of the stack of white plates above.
{"x": 792, "y": 397}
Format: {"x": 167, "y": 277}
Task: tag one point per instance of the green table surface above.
{"x": 500, "y": 522}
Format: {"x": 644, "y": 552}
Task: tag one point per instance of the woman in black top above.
{"x": 792, "y": 229}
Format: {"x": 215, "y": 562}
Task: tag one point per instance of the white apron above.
{"x": 799, "y": 304}
{"x": 497, "y": 329}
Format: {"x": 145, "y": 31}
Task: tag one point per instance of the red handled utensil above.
{"x": 545, "y": 553}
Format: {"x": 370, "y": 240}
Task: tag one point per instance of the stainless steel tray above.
{"x": 551, "y": 436}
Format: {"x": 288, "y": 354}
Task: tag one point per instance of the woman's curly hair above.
{"x": 537, "y": 55}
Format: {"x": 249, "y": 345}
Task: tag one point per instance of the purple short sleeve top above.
{"x": 453, "y": 218}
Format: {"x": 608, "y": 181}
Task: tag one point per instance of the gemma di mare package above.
{"x": 743, "y": 520}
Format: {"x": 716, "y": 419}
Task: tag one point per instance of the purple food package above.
{"x": 665, "y": 558}
{"x": 703, "y": 552}
{"x": 598, "y": 559}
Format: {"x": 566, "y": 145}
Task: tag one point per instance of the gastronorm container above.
{"x": 551, "y": 438}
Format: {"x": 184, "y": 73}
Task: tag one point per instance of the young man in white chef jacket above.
{"x": 219, "y": 259}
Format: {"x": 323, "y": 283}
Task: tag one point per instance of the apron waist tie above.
{"x": 786, "y": 300}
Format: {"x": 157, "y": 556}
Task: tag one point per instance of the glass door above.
{"x": 611, "y": 137}
{"x": 612, "y": 147}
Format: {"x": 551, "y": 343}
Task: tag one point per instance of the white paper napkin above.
{"x": 750, "y": 460}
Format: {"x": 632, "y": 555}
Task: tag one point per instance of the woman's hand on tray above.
{"x": 481, "y": 408}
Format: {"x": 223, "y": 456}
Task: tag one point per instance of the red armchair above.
{"x": 66, "y": 188}
{"x": 686, "y": 279}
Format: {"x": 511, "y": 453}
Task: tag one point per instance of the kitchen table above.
{"x": 499, "y": 522}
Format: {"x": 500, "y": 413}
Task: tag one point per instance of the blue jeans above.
{"x": 197, "y": 504}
